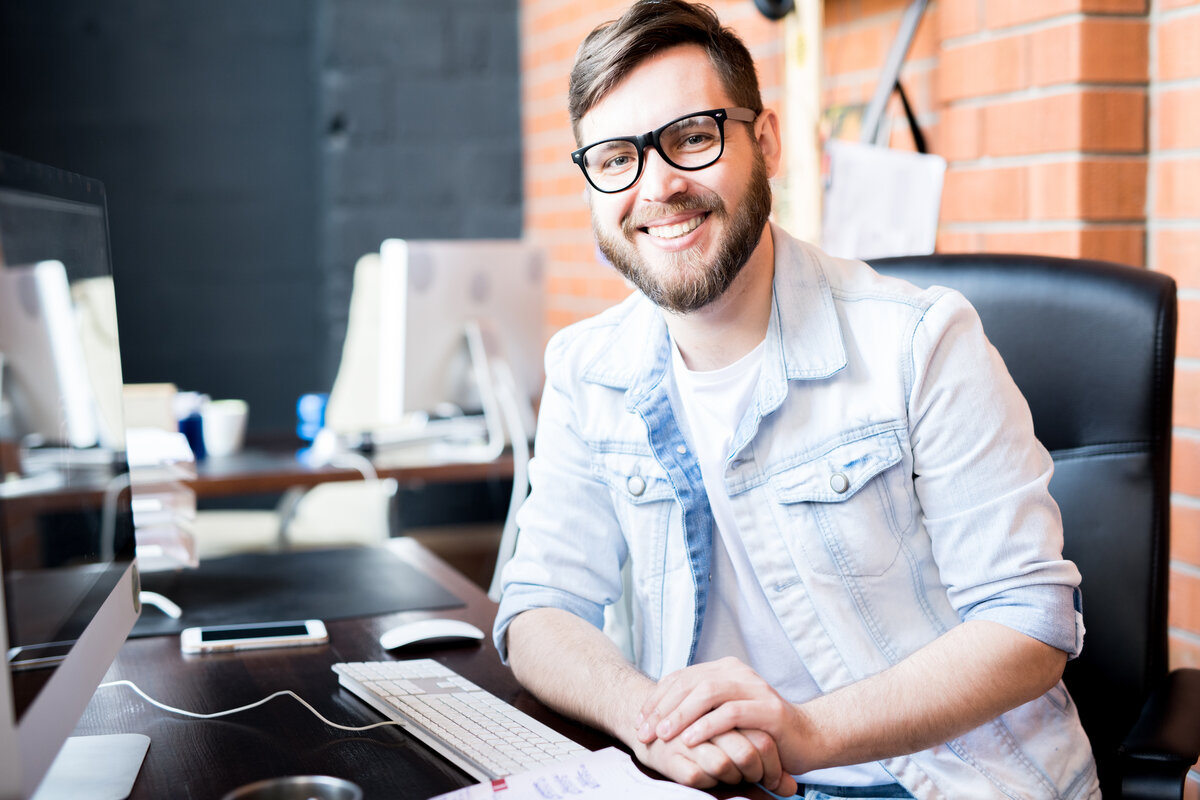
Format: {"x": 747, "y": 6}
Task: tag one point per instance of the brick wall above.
{"x": 1173, "y": 246}
{"x": 1070, "y": 127}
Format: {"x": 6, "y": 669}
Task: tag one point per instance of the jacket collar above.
{"x": 804, "y": 339}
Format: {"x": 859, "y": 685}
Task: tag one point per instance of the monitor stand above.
{"x": 95, "y": 768}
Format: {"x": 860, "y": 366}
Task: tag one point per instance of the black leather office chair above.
{"x": 1092, "y": 347}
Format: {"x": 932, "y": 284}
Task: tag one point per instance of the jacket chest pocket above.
{"x": 848, "y": 508}
{"x": 641, "y": 491}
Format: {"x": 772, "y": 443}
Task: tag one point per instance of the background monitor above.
{"x": 45, "y": 380}
{"x": 407, "y": 344}
{"x": 70, "y": 588}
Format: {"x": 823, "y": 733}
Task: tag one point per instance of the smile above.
{"x": 674, "y": 231}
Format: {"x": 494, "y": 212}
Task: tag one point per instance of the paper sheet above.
{"x": 605, "y": 774}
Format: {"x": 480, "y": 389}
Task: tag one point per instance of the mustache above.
{"x": 646, "y": 214}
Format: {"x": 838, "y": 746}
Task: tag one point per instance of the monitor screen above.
{"x": 66, "y": 531}
{"x": 406, "y": 348}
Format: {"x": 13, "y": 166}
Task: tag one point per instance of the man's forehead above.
{"x": 666, "y": 86}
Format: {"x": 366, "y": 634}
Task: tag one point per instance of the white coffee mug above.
{"x": 224, "y": 426}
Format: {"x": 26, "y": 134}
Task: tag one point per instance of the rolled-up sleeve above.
{"x": 983, "y": 482}
{"x": 570, "y": 547}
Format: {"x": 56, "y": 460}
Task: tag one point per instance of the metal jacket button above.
{"x": 636, "y": 486}
{"x": 839, "y": 482}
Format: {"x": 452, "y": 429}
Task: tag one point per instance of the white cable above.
{"x": 215, "y": 714}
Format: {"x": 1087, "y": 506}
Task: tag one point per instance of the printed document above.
{"x": 605, "y": 773}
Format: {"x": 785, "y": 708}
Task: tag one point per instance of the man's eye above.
{"x": 617, "y": 163}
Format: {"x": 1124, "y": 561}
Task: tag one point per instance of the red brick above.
{"x": 991, "y": 66}
{"x": 1178, "y": 119}
{"x": 1002, "y": 13}
{"x": 1120, "y": 245}
{"x": 1091, "y": 190}
{"x": 1083, "y": 120}
{"x": 981, "y": 195}
{"x": 954, "y": 17}
{"x": 1185, "y": 534}
{"x": 856, "y": 49}
{"x": 1178, "y": 182}
{"x": 875, "y": 7}
{"x": 1187, "y": 407}
{"x": 1184, "y": 601}
{"x": 1177, "y": 253}
{"x": 1178, "y": 53}
{"x": 1091, "y": 50}
{"x": 1188, "y": 343}
{"x": 960, "y": 133}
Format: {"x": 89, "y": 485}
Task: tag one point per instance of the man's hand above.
{"x": 706, "y": 701}
{"x": 730, "y": 757}
{"x": 575, "y": 669}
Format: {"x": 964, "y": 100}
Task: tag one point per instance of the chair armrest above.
{"x": 1165, "y": 742}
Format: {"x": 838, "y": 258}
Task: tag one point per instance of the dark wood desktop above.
{"x": 204, "y": 759}
{"x": 274, "y": 469}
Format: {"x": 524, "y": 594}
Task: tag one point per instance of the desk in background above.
{"x": 204, "y": 759}
{"x": 274, "y": 470}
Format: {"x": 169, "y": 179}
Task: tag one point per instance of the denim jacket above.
{"x": 886, "y": 482}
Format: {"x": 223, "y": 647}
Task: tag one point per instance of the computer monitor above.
{"x": 45, "y": 379}
{"x": 423, "y": 315}
{"x": 70, "y": 587}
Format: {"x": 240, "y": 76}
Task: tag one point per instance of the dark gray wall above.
{"x": 253, "y": 150}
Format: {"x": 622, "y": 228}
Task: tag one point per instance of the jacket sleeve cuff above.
{"x": 1050, "y": 613}
{"x": 519, "y": 597}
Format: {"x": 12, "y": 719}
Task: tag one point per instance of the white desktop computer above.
{"x": 434, "y": 325}
{"x": 70, "y": 585}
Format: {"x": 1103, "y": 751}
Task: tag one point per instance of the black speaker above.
{"x": 775, "y": 9}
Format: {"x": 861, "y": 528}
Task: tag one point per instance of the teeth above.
{"x": 677, "y": 230}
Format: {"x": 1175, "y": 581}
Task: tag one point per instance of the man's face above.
{"x": 680, "y": 236}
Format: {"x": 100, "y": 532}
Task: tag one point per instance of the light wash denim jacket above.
{"x": 886, "y": 482}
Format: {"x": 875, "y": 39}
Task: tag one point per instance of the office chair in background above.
{"x": 1091, "y": 345}
{"x": 334, "y": 514}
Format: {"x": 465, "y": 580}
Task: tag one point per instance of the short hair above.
{"x": 616, "y": 48}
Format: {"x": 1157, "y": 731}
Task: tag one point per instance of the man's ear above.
{"x": 770, "y": 142}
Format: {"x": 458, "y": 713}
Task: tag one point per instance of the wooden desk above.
{"x": 271, "y": 471}
{"x": 204, "y": 759}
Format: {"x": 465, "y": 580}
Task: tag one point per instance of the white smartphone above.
{"x": 225, "y": 638}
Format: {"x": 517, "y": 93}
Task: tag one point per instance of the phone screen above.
{"x": 257, "y": 632}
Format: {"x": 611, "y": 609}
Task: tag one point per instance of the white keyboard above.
{"x": 478, "y": 731}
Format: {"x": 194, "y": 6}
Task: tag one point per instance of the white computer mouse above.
{"x": 427, "y": 631}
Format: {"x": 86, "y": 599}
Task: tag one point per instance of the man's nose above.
{"x": 660, "y": 181}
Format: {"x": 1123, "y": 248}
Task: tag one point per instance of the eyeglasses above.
{"x": 692, "y": 142}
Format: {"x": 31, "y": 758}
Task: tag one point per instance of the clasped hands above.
{"x": 720, "y": 722}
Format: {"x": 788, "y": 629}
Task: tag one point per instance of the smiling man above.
{"x": 788, "y": 522}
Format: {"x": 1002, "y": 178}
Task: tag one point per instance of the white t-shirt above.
{"x": 738, "y": 620}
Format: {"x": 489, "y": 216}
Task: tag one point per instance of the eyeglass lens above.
{"x": 690, "y": 143}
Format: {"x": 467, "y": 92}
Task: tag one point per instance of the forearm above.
{"x": 966, "y": 677}
{"x": 963, "y": 679}
{"x": 576, "y": 670}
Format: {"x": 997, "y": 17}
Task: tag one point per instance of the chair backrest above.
{"x": 1092, "y": 347}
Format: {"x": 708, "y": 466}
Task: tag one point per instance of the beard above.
{"x": 686, "y": 282}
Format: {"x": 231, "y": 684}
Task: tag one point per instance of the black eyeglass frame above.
{"x": 653, "y": 138}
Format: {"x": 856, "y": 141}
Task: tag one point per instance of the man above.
{"x": 841, "y": 561}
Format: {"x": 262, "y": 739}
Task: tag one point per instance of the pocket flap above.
{"x": 637, "y": 478}
{"x": 837, "y": 474}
